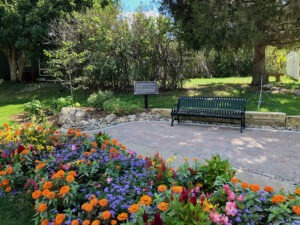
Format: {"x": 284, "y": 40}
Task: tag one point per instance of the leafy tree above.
{"x": 24, "y": 24}
{"x": 229, "y": 25}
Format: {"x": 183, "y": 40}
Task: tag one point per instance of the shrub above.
{"x": 35, "y": 110}
{"x": 119, "y": 107}
{"x": 59, "y": 103}
{"x": 97, "y": 100}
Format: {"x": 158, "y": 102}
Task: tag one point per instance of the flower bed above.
{"x": 76, "y": 179}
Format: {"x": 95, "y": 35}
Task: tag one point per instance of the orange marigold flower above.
{"x": 59, "y": 219}
{"x": 96, "y": 222}
{"x": 296, "y": 209}
{"x": 140, "y": 156}
{"x": 64, "y": 190}
{"x": 50, "y": 195}
{"x": 163, "y": 206}
{"x": 122, "y": 216}
{"x": 42, "y": 207}
{"x": 5, "y": 182}
{"x": 72, "y": 173}
{"x": 86, "y": 222}
{"x": 86, "y": 154}
{"x": 40, "y": 166}
{"x": 107, "y": 142}
{"x": 94, "y": 202}
{"x": 36, "y": 194}
{"x": 115, "y": 141}
{"x": 278, "y": 199}
{"x": 70, "y": 178}
{"x": 94, "y": 144}
{"x": 45, "y": 222}
{"x": 9, "y": 170}
{"x": 25, "y": 152}
{"x": 244, "y": 185}
{"x": 162, "y": 188}
{"x": 234, "y": 180}
{"x": 146, "y": 200}
{"x": 177, "y": 189}
{"x": 17, "y": 133}
{"x": 93, "y": 150}
{"x": 254, "y": 187}
{"x": 297, "y": 191}
{"x": 103, "y": 202}
{"x": 75, "y": 222}
{"x": 60, "y": 174}
{"x": 2, "y": 173}
{"x": 106, "y": 215}
{"x": 133, "y": 208}
{"x": 268, "y": 189}
{"x": 47, "y": 185}
{"x": 8, "y": 189}
{"x": 45, "y": 192}
{"x": 113, "y": 222}
{"x": 87, "y": 207}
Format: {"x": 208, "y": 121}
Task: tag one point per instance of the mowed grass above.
{"x": 15, "y": 211}
{"x": 281, "y": 99}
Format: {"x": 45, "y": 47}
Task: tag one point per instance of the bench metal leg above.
{"x": 172, "y": 121}
{"x": 242, "y": 125}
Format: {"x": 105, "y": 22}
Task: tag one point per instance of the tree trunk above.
{"x": 16, "y": 62}
{"x": 258, "y": 70}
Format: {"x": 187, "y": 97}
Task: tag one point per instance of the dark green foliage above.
{"x": 223, "y": 25}
{"x": 119, "y": 107}
{"x": 97, "y": 100}
{"x": 59, "y": 103}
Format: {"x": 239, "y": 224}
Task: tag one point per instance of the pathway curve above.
{"x": 267, "y": 157}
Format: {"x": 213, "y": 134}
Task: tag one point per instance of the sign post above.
{"x": 145, "y": 88}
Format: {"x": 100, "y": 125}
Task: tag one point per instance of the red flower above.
{"x": 145, "y": 217}
{"x": 184, "y": 196}
{"x": 157, "y": 219}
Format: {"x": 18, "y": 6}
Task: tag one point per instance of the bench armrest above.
{"x": 175, "y": 107}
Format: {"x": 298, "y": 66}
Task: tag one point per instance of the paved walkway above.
{"x": 266, "y": 157}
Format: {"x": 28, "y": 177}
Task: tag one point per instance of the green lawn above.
{"x": 9, "y": 206}
{"x": 14, "y": 95}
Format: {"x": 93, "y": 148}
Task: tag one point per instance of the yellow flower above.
{"x": 207, "y": 206}
{"x": 171, "y": 159}
{"x": 163, "y": 206}
{"x": 40, "y": 147}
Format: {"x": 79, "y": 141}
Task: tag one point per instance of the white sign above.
{"x": 145, "y": 88}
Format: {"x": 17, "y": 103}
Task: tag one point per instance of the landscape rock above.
{"x": 297, "y": 92}
{"x": 110, "y": 118}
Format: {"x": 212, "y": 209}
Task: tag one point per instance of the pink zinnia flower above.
{"x": 231, "y": 196}
{"x": 240, "y": 198}
{"x": 109, "y": 179}
{"x": 231, "y": 209}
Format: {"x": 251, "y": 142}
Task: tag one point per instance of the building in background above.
{"x": 293, "y": 64}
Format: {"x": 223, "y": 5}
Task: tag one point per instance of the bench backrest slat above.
{"x": 214, "y": 103}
